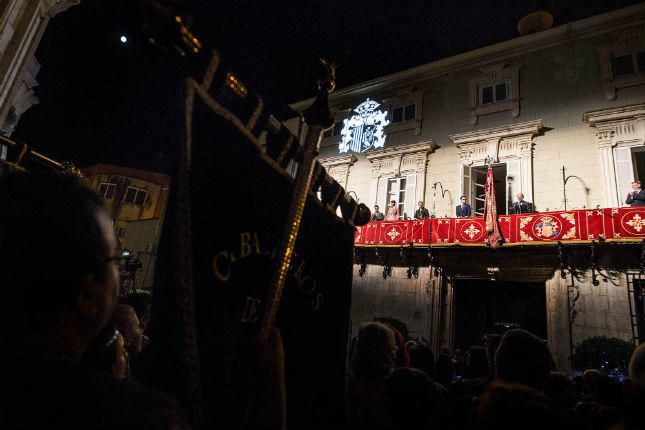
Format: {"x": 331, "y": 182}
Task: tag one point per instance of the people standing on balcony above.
{"x": 377, "y": 215}
{"x": 522, "y": 206}
{"x": 392, "y": 212}
{"x": 463, "y": 210}
{"x": 637, "y": 196}
{"x": 422, "y": 212}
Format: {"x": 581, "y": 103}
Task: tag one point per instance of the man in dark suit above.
{"x": 463, "y": 210}
{"x": 422, "y": 212}
{"x": 637, "y": 196}
{"x": 522, "y": 206}
{"x": 377, "y": 215}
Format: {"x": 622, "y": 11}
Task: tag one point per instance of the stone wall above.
{"x": 397, "y": 296}
{"x": 600, "y": 310}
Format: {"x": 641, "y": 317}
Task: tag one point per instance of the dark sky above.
{"x": 105, "y": 101}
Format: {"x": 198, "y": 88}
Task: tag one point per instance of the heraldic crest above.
{"x": 364, "y": 130}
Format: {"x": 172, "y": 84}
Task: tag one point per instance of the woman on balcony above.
{"x": 392, "y": 212}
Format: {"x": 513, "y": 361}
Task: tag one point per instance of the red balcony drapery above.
{"x": 611, "y": 224}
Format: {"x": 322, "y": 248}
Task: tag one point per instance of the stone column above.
{"x": 375, "y": 173}
{"x": 605, "y": 141}
{"x": 526, "y": 167}
{"x": 421, "y": 169}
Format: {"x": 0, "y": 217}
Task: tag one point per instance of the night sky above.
{"x": 106, "y": 101}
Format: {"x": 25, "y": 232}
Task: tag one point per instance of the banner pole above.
{"x": 318, "y": 119}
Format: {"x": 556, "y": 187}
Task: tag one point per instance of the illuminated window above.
{"x": 107, "y": 190}
{"x": 136, "y": 196}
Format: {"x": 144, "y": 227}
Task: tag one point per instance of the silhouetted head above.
{"x": 374, "y": 351}
{"x": 523, "y": 358}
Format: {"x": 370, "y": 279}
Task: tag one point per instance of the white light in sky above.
{"x": 124, "y": 39}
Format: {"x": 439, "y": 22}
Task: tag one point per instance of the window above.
{"x": 629, "y": 64}
{"x": 622, "y": 61}
{"x": 106, "y": 190}
{"x": 495, "y": 90}
{"x": 494, "y": 93}
{"x": 136, "y": 196}
{"x": 396, "y": 192}
{"x": 474, "y": 187}
{"x": 404, "y": 113}
{"x": 335, "y": 130}
{"x": 402, "y": 191}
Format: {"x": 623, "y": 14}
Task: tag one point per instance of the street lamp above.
{"x": 565, "y": 179}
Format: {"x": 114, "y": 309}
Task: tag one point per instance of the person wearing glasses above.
{"x": 59, "y": 280}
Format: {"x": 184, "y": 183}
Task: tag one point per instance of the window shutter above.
{"x": 624, "y": 172}
{"x": 410, "y": 195}
{"x": 513, "y": 182}
{"x": 467, "y": 187}
{"x": 381, "y": 194}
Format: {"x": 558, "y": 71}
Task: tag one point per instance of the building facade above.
{"x": 136, "y": 200}
{"x": 22, "y": 25}
{"x": 560, "y": 114}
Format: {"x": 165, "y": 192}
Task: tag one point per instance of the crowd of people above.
{"x": 71, "y": 349}
{"x": 510, "y": 383}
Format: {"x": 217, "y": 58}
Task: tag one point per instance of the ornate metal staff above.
{"x": 24, "y": 153}
{"x": 318, "y": 119}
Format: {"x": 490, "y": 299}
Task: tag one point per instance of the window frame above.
{"x": 494, "y": 86}
{"x": 493, "y": 75}
{"x": 630, "y": 42}
{"x": 109, "y": 185}
{"x": 404, "y": 109}
{"x": 329, "y": 138}
{"x": 137, "y": 192}
{"x": 396, "y": 195}
{"x": 402, "y": 102}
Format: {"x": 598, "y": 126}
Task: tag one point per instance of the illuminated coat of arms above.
{"x": 364, "y": 130}
{"x": 547, "y": 227}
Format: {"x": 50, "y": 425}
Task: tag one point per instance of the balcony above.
{"x": 535, "y": 244}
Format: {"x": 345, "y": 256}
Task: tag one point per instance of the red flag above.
{"x": 494, "y": 238}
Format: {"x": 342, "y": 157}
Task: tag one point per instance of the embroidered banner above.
{"x": 613, "y": 224}
{"x": 394, "y": 233}
{"x": 626, "y": 223}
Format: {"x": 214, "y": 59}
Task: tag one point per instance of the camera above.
{"x": 132, "y": 265}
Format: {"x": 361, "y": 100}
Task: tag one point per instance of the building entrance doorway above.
{"x": 483, "y": 307}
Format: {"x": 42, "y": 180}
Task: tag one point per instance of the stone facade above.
{"x": 603, "y": 309}
{"x": 136, "y": 200}
{"x": 554, "y": 99}
{"x": 397, "y": 297}
{"x": 22, "y": 24}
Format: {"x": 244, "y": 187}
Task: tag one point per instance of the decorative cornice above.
{"x": 614, "y": 114}
{"x": 425, "y": 147}
{"x": 54, "y": 7}
{"x": 609, "y": 22}
{"x": 339, "y": 160}
{"x": 528, "y": 129}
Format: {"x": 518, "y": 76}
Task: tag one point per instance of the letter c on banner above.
{"x": 217, "y": 266}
